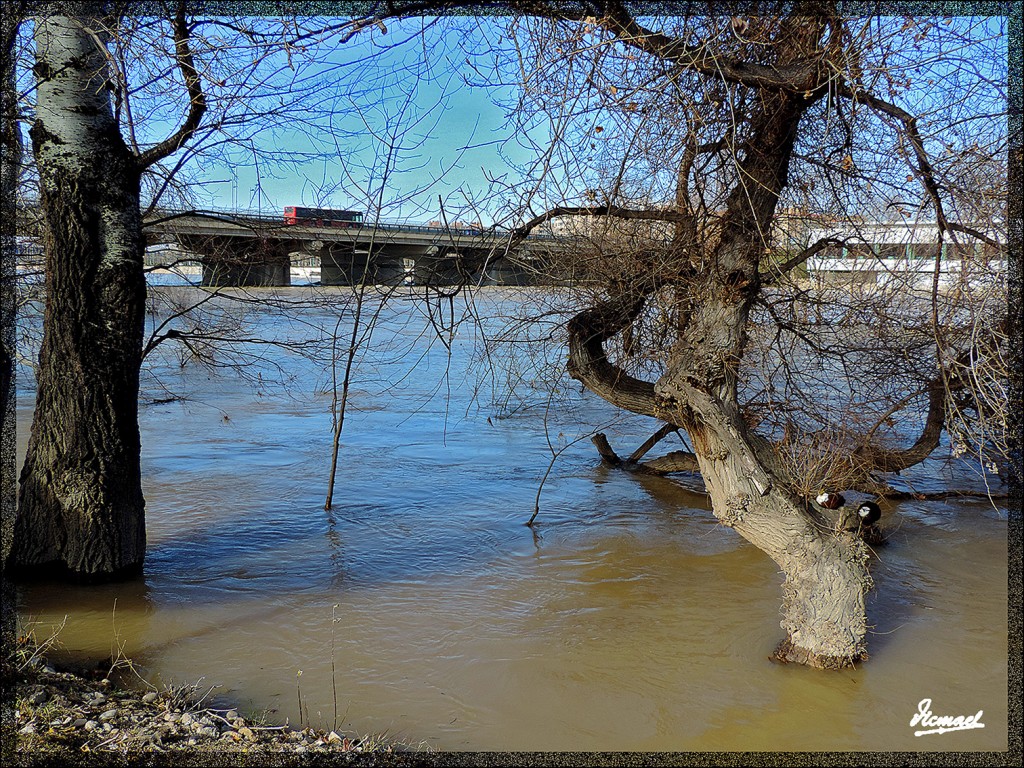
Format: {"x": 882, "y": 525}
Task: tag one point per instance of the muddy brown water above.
{"x": 627, "y": 619}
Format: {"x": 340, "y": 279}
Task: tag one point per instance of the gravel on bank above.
{"x": 61, "y": 713}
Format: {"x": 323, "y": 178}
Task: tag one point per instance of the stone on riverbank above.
{"x": 60, "y": 713}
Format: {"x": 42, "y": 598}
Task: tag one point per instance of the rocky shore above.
{"x": 60, "y": 716}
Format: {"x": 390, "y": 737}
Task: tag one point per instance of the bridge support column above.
{"x": 238, "y": 262}
{"x": 346, "y": 266}
{"x": 388, "y": 264}
{"x": 449, "y": 266}
{"x": 539, "y": 265}
{"x": 501, "y": 270}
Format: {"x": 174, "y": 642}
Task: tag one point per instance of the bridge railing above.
{"x": 264, "y": 219}
{"x": 26, "y": 220}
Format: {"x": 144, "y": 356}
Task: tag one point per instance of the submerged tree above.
{"x": 81, "y": 499}
{"x": 698, "y": 149}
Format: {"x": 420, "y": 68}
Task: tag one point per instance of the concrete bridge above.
{"x": 257, "y": 250}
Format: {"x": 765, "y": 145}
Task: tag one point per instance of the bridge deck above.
{"x": 273, "y": 227}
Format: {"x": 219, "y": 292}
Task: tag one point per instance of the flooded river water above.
{"x": 627, "y": 619}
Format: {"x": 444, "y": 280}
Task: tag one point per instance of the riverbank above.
{"x": 60, "y": 716}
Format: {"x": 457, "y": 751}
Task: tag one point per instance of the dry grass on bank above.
{"x": 55, "y": 716}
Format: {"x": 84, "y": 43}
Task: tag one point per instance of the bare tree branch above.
{"x": 589, "y": 363}
{"x": 197, "y": 99}
{"x": 925, "y": 170}
{"x": 799, "y": 258}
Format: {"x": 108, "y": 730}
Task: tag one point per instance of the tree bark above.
{"x": 81, "y": 508}
{"x": 825, "y": 567}
{"x": 11, "y": 15}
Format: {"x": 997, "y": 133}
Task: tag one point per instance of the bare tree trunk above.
{"x": 826, "y": 573}
{"x": 825, "y": 567}
{"x": 10, "y": 165}
{"x": 11, "y": 15}
{"x": 81, "y": 507}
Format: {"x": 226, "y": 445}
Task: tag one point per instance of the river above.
{"x": 626, "y": 619}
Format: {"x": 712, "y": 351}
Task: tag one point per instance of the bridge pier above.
{"x": 348, "y": 266}
{"x": 541, "y": 265}
{"x": 345, "y": 267}
{"x": 237, "y": 262}
{"x": 502, "y": 270}
{"x": 448, "y": 266}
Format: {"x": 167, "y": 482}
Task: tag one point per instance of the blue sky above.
{"x": 403, "y": 80}
{"x": 454, "y": 140}
{"x": 453, "y": 144}
{"x": 463, "y": 141}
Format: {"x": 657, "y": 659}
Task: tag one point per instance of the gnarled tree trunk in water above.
{"x": 825, "y": 568}
{"x": 81, "y": 507}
